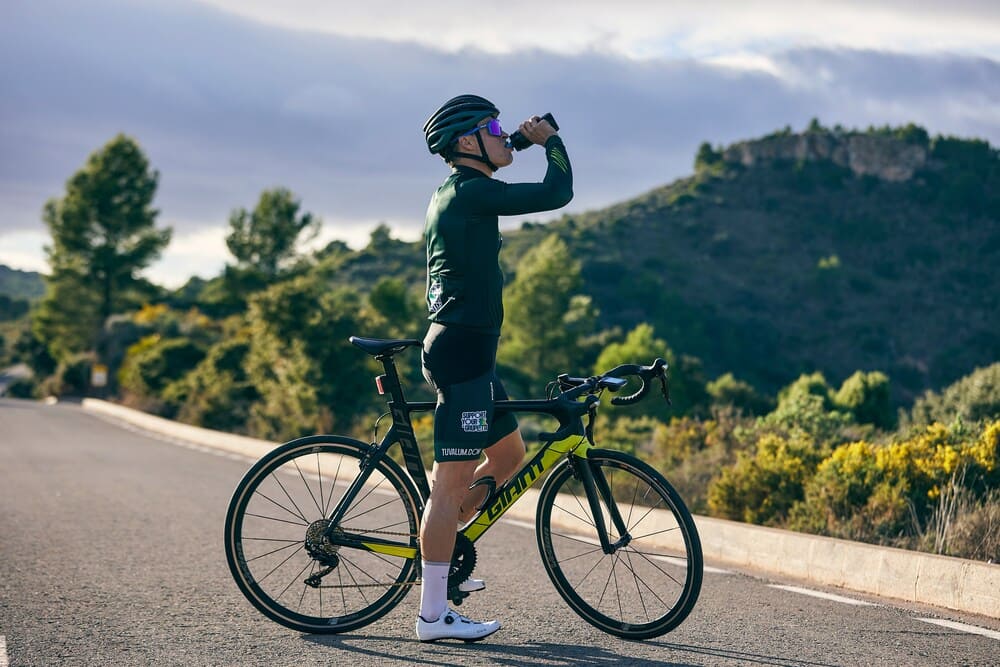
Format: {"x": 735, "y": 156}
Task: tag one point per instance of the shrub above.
{"x": 975, "y": 533}
{"x": 310, "y": 379}
{"x": 890, "y": 493}
{"x": 217, "y": 393}
{"x": 150, "y": 365}
{"x": 763, "y": 487}
{"x": 866, "y": 397}
{"x": 71, "y": 378}
{"x": 727, "y": 390}
{"x": 973, "y": 398}
{"x": 691, "y": 452}
{"x": 23, "y": 388}
{"x": 808, "y": 413}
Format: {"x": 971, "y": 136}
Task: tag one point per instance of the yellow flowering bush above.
{"x": 763, "y": 487}
{"x": 878, "y": 492}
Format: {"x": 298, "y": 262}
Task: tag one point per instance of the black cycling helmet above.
{"x": 457, "y": 115}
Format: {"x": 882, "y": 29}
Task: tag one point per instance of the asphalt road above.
{"x": 111, "y": 554}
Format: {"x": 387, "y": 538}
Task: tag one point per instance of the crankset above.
{"x": 463, "y": 562}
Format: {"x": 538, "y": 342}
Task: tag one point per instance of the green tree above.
{"x": 707, "y": 157}
{"x": 972, "y": 398}
{"x": 807, "y": 405}
{"x": 400, "y": 307}
{"x": 866, "y": 396}
{"x": 545, "y": 315}
{"x": 264, "y": 240}
{"x": 217, "y": 393}
{"x": 103, "y": 233}
{"x": 151, "y": 365}
{"x": 309, "y": 377}
{"x": 687, "y": 381}
{"x": 727, "y": 390}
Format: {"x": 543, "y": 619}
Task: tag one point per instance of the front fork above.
{"x": 595, "y": 485}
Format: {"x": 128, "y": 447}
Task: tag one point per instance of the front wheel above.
{"x": 275, "y": 536}
{"x": 650, "y": 580}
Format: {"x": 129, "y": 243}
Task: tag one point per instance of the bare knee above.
{"x": 452, "y": 480}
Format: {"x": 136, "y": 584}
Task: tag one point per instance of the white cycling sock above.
{"x": 434, "y": 590}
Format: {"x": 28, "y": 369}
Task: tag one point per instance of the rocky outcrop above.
{"x": 885, "y": 157}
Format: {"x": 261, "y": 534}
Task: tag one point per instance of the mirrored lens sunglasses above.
{"x": 492, "y": 126}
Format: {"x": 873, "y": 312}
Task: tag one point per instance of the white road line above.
{"x": 825, "y": 596}
{"x": 3, "y": 652}
{"x": 673, "y": 560}
{"x": 962, "y": 627}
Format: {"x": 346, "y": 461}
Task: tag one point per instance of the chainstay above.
{"x": 387, "y": 532}
{"x": 392, "y": 585}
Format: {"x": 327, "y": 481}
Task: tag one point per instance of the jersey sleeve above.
{"x": 490, "y": 196}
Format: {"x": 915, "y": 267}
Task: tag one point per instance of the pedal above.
{"x": 456, "y": 596}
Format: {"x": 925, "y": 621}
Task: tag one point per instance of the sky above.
{"x": 231, "y": 97}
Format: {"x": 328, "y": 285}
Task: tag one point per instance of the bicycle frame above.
{"x": 551, "y": 453}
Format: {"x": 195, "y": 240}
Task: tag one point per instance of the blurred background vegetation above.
{"x": 827, "y": 302}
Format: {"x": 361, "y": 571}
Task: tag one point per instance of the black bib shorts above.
{"x": 461, "y": 365}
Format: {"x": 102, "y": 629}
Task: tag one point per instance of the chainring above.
{"x": 463, "y": 561}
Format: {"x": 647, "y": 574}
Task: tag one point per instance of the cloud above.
{"x": 644, "y": 28}
{"x": 226, "y": 107}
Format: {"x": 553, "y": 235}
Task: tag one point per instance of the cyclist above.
{"x": 464, "y": 285}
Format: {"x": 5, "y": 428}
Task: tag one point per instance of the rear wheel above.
{"x": 275, "y": 530}
{"x": 651, "y": 580}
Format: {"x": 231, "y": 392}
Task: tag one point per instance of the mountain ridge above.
{"x": 825, "y": 250}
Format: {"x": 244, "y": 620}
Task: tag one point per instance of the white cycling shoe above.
{"x": 471, "y": 585}
{"x": 453, "y": 625}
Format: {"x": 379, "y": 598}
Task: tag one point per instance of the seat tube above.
{"x": 402, "y": 428}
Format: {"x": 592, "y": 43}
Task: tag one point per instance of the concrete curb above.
{"x": 942, "y": 581}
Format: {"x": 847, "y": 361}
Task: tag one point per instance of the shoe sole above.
{"x": 461, "y": 639}
{"x": 472, "y": 590}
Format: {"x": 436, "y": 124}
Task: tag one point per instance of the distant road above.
{"x": 12, "y": 374}
{"x": 111, "y": 554}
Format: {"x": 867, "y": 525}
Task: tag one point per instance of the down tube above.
{"x": 510, "y": 492}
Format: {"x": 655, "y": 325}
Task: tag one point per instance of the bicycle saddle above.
{"x": 378, "y": 347}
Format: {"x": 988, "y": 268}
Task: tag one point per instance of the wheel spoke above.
{"x": 638, "y": 597}
{"x": 271, "y": 518}
{"x": 309, "y": 488}
{"x": 267, "y": 530}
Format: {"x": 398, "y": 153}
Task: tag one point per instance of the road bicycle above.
{"x": 322, "y": 533}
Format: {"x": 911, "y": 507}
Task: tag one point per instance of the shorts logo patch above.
{"x": 475, "y": 422}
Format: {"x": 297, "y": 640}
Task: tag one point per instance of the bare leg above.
{"x": 502, "y": 461}
{"x": 437, "y": 530}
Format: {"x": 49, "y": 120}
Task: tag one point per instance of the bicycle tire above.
{"x": 291, "y": 491}
{"x": 648, "y": 586}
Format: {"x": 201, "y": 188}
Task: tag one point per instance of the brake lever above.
{"x": 665, "y": 387}
{"x": 589, "y": 429}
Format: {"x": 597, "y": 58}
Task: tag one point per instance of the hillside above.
{"x": 18, "y": 284}
{"x": 825, "y": 250}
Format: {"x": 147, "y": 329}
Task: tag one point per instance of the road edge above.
{"x": 942, "y": 581}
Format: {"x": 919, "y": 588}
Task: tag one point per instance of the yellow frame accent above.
{"x": 551, "y": 455}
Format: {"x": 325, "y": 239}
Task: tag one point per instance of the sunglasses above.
{"x": 492, "y": 126}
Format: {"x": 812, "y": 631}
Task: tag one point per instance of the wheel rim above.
{"x": 276, "y": 540}
{"x": 646, "y": 586}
